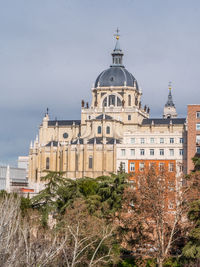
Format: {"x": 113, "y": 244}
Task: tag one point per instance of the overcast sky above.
{"x": 51, "y": 52}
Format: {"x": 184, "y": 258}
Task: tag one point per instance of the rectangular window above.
{"x": 198, "y": 126}
{"x": 152, "y": 165}
{"x": 132, "y": 166}
{"x": 123, "y": 152}
{"x": 181, "y": 140}
{"x": 180, "y": 168}
{"x": 171, "y": 152}
{"x": 142, "y": 141}
{"x": 141, "y": 166}
{"x": 129, "y": 117}
{"x": 171, "y": 205}
{"x": 198, "y": 114}
{"x": 142, "y": 152}
{"x": 161, "y": 140}
{"x": 161, "y": 152}
{"x": 181, "y": 152}
{"x": 132, "y": 152}
{"x": 132, "y": 140}
{"x": 90, "y": 162}
{"x": 171, "y": 167}
{"x": 161, "y": 166}
{"x": 151, "y": 152}
{"x": 152, "y": 140}
{"x": 123, "y": 166}
{"x": 198, "y": 139}
{"x": 198, "y": 150}
{"x": 171, "y": 140}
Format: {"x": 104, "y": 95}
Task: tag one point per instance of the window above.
{"x": 171, "y": 152}
{"x": 198, "y": 139}
{"x": 112, "y": 100}
{"x": 198, "y": 114}
{"x": 123, "y": 152}
{"x": 198, "y": 126}
{"x": 99, "y": 130}
{"x": 142, "y": 141}
{"x": 171, "y": 140}
{"x": 105, "y": 102}
{"x": 161, "y": 166}
{"x": 161, "y": 140}
{"x": 181, "y": 140}
{"x": 129, "y": 117}
{"x": 122, "y": 165}
{"x": 171, "y": 205}
{"x": 132, "y": 166}
{"x": 47, "y": 163}
{"x": 181, "y": 152}
{"x": 132, "y": 140}
{"x": 180, "y": 168}
{"x": 161, "y": 152}
{"x": 151, "y": 152}
{"x": 152, "y": 165}
{"x": 132, "y": 152}
{"x": 90, "y": 162}
{"x": 129, "y": 100}
{"x": 141, "y": 166}
{"x": 142, "y": 152}
{"x": 152, "y": 140}
{"x": 171, "y": 167}
{"x": 65, "y": 135}
{"x": 108, "y": 130}
{"x": 198, "y": 150}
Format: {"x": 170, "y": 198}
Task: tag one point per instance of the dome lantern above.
{"x": 117, "y": 53}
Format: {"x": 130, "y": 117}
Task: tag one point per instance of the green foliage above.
{"x": 25, "y": 205}
{"x": 196, "y": 162}
{"x": 172, "y": 262}
{"x": 102, "y": 195}
{"x": 191, "y": 250}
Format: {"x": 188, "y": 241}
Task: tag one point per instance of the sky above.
{"x": 51, "y": 52}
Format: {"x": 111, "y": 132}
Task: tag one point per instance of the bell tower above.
{"x": 169, "y": 108}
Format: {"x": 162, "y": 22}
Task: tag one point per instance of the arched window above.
{"x": 99, "y": 130}
{"x": 112, "y": 100}
{"x": 129, "y": 100}
{"x": 108, "y": 129}
{"x": 47, "y": 163}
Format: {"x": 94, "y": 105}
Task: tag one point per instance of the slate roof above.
{"x": 53, "y": 143}
{"x": 99, "y": 140}
{"x": 107, "y": 117}
{"x": 63, "y": 122}
{"x": 115, "y": 76}
{"x": 163, "y": 121}
{"x": 76, "y": 141}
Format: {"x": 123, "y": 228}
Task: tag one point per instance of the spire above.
{"x": 169, "y": 108}
{"x": 117, "y": 53}
{"x": 169, "y": 100}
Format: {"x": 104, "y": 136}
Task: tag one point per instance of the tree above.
{"x": 154, "y": 213}
{"x": 89, "y": 239}
{"x": 192, "y": 249}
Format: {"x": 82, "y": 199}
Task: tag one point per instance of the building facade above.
{"x": 114, "y": 129}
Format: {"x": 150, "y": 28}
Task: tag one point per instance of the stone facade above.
{"x": 95, "y": 145}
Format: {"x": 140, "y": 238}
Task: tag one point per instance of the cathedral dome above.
{"x": 116, "y": 76}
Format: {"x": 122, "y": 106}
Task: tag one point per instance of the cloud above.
{"x": 52, "y": 51}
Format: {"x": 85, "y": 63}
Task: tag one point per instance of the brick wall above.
{"x": 192, "y": 133}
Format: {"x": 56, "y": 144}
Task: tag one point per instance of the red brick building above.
{"x": 193, "y": 134}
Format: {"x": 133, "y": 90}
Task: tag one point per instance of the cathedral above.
{"x": 115, "y": 129}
